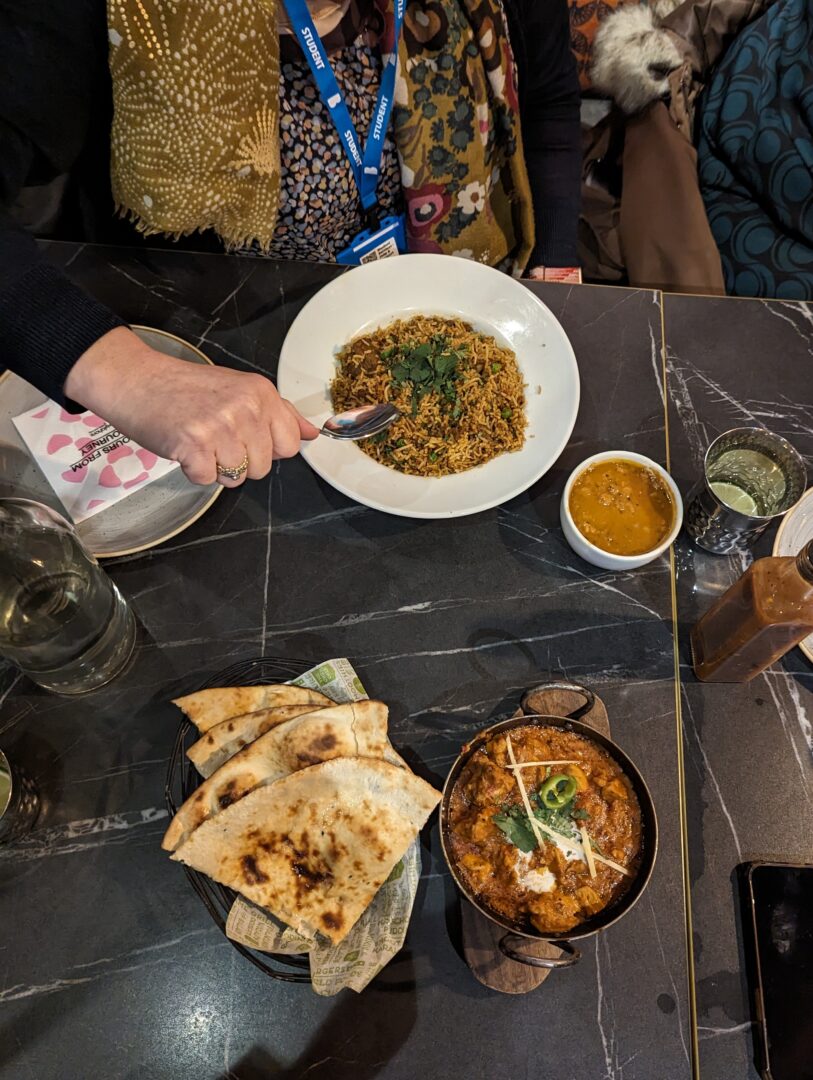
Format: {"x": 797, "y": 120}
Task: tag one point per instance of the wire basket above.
{"x": 183, "y": 779}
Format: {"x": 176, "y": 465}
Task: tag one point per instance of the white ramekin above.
{"x": 596, "y": 555}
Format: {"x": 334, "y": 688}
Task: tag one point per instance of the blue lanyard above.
{"x": 365, "y": 169}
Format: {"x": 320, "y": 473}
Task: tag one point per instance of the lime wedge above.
{"x": 735, "y": 498}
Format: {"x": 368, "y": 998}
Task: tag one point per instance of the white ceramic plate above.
{"x": 148, "y": 517}
{"x": 373, "y": 295}
{"x": 794, "y": 532}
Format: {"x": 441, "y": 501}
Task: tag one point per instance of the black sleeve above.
{"x": 51, "y": 51}
{"x": 549, "y": 107}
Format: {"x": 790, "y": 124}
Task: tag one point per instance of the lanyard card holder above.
{"x": 388, "y": 239}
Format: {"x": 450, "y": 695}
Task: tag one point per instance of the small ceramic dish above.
{"x": 606, "y": 560}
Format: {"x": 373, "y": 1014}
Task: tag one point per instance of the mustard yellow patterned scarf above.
{"x": 195, "y": 141}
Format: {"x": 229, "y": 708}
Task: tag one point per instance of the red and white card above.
{"x": 89, "y": 464}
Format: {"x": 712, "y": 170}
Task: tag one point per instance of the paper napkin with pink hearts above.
{"x": 86, "y": 461}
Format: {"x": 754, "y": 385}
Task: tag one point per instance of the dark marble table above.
{"x": 110, "y": 967}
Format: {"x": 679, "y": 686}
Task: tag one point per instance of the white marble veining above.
{"x": 80, "y": 836}
{"x": 267, "y": 569}
{"x": 346, "y": 513}
{"x": 488, "y": 646}
{"x": 656, "y": 356}
{"x": 704, "y": 1031}
{"x": 677, "y": 996}
{"x": 336, "y": 621}
{"x": 776, "y": 309}
{"x": 126, "y": 768}
{"x": 12, "y": 683}
{"x": 698, "y": 743}
{"x": 793, "y": 716}
{"x": 694, "y": 428}
{"x": 109, "y": 966}
{"x": 605, "y": 1016}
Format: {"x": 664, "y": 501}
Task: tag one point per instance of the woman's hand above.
{"x": 201, "y": 416}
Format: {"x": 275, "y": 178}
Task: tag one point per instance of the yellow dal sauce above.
{"x": 622, "y": 507}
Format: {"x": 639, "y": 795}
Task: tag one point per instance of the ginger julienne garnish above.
{"x": 564, "y": 802}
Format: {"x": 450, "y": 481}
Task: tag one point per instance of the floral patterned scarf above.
{"x": 195, "y": 140}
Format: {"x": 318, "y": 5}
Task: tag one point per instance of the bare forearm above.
{"x": 102, "y": 376}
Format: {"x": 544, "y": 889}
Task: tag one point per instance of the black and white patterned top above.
{"x": 319, "y": 209}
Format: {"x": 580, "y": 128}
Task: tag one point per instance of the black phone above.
{"x": 779, "y": 932}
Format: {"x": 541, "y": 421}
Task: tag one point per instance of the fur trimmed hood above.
{"x": 644, "y": 53}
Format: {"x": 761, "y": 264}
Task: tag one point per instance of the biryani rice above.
{"x": 490, "y": 395}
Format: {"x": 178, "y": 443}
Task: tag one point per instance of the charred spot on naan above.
{"x": 306, "y": 861}
{"x": 324, "y": 742}
{"x": 304, "y": 759}
{"x": 231, "y": 793}
{"x": 310, "y": 873}
{"x": 335, "y": 850}
{"x": 317, "y": 749}
{"x": 372, "y": 837}
{"x": 332, "y": 920}
{"x": 251, "y": 872}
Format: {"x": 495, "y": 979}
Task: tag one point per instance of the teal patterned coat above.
{"x": 755, "y": 150}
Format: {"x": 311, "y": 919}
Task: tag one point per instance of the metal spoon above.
{"x": 360, "y": 423}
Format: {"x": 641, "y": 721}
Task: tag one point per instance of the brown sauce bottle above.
{"x": 761, "y": 617}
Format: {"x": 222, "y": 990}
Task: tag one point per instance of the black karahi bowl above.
{"x": 517, "y": 933}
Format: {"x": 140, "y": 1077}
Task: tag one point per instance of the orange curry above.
{"x": 586, "y": 814}
{"x": 622, "y": 507}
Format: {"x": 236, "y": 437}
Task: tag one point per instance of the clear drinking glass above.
{"x": 62, "y": 620}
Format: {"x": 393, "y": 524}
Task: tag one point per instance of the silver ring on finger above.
{"x": 233, "y": 472}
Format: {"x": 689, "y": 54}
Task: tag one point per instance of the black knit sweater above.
{"x": 55, "y": 109}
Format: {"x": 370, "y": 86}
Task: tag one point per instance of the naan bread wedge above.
{"x": 224, "y": 739}
{"x": 315, "y": 847}
{"x": 359, "y": 728}
{"x": 210, "y": 707}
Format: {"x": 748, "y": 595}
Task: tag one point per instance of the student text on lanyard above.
{"x": 381, "y": 238}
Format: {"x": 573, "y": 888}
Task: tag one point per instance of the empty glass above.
{"x": 62, "y": 620}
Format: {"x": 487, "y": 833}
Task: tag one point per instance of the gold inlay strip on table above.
{"x": 684, "y": 826}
